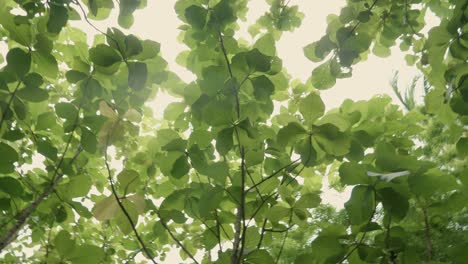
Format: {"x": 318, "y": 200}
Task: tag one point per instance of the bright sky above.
{"x": 159, "y": 22}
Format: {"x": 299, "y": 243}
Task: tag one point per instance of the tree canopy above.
{"x": 233, "y": 173}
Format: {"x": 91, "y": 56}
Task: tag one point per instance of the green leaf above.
{"x": 213, "y": 79}
{"x": 387, "y": 159}
{"x": 394, "y": 203}
{"x": 325, "y": 249}
{"x": 43, "y": 44}
{"x": 133, "y": 46}
{"x": 45, "y": 147}
{"x": 360, "y": 207}
{"x": 74, "y": 76}
{"x": 64, "y": 244}
{"x": 266, "y": 45}
{"x": 18, "y": 61}
{"x": 311, "y": 107}
{"x": 322, "y": 77}
{"x": 137, "y": 75}
{"x": 46, "y": 64}
{"x": 338, "y": 144}
{"x": 277, "y": 213}
{"x": 106, "y": 209}
{"x": 129, "y": 181}
{"x": 19, "y": 108}
{"x": 290, "y": 133}
{"x": 432, "y": 182}
{"x": 458, "y": 252}
{"x": 104, "y": 55}
{"x": 462, "y": 146}
{"x": 181, "y": 167}
{"x": 174, "y": 110}
{"x": 310, "y": 52}
{"x": 127, "y": 7}
{"x": 352, "y": 173}
{"x": 150, "y": 50}
{"x": 219, "y": 112}
{"x": 223, "y": 13}
{"x": 258, "y": 61}
{"x": 224, "y": 141}
{"x": 196, "y": 16}
{"x": 310, "y": 200}
{"x": 210, "y": 200}
{"x": 78, "y": 186}
{"x": 88, "y": 140}
{"x": 21, "y": 33}
{"x": 259, "y": 256}
{"x": 125, "y": 21}
{"x": 58, "y": 18}
{"x": 263, "y": 87}
{"x": 10, "y": 185}
{"x": 364, "y": 16}
{"x": 66, "y": 110}
{"x": 9, "y": 156}
{"x": 458, "y": 50}
{"x": 93, "y": 7}
{"x": 218, "y": 171}
{"x": 87, "y": 254}
{"x": 33, "y": 94}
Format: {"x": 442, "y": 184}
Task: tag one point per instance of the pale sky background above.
{"x": 159, "y": 22}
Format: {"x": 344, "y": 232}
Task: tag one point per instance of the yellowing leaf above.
{"x": 132, "y": 115}
{"x": 106, "y": 209}
{"x": 107, "y": 111}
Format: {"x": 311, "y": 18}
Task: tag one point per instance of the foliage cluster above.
{"x": 233, "y": 173}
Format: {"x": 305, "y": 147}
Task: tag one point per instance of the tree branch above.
{"x": 427, "y": 234}
{"x": 285, "y": 237}
{"x": 392, "y": 256}
{"x": 175, "y": 238}
{"x": 272, "y": 175}
{"x": 48, "y": 242}
{"x": 7, "y": 107}
{"x": 122, "y": 207}
{"x": 262, "y": 233}
{"x": 24, "y": 215}
{"x": 363, "y": 235}
{"x": 408, "y": 23}
{"x": 239, "y": 237}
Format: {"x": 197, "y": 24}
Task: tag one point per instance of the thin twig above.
{"x": 178, "y": 242}
{"x": 10, "y": 101}
{"x": 408, "y": 23}
{"x": 273, "y": 174}
{"x": 46, "y": 258}
{"x": 392, "y": 256}
{"x": 284, "y": 238}
{"x": 262, "y": 233}
{"x": 24, "y": 215}
{"x": 427, "y": 234}
{"x": 253, "y": 182}
{"x": 239, "y": 237}
{"x": 363, "y": 235}
{"x": 359, "y": 22}
{"x": 122, "y": 207}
